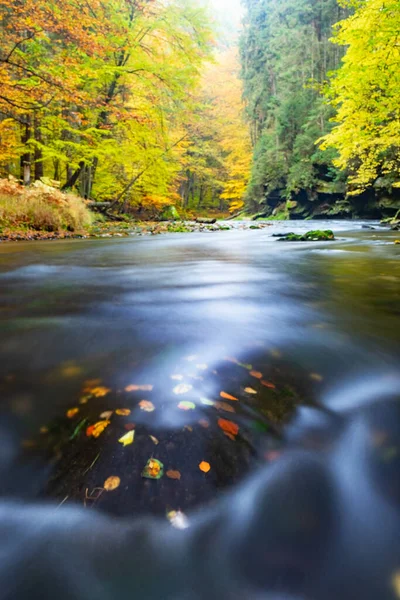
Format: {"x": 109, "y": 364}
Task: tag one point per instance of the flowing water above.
{"x": 286, "y": 359}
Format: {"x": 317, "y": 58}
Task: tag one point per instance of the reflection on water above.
{"x": 276, "y": 365}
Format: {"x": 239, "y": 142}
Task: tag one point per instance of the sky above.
{"x": 231, "y": 10}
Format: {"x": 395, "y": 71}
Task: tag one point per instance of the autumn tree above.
{"x": 365, "y": 93}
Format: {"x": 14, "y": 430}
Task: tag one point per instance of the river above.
{"x": 262, "y": 363}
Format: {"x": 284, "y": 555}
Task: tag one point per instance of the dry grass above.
{"x": 41, "y": 208}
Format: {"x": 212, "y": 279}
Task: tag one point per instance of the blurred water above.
{"x": 312, "y": 477}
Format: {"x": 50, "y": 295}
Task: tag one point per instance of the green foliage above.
{"x": 286, "y": 55}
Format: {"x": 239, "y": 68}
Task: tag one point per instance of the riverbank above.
{"x": 110, "y": 229}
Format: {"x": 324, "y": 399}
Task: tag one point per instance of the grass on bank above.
{"x": 40, "y": 208}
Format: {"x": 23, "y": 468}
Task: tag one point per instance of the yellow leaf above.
{"x": 128, "y": 438}
{"x": 250, "y": 390}
{"x": 154, "y": 440}
{"x": 123, "y": 412}
{"x": 111, "y": 483}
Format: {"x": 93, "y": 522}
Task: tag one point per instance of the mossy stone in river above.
{"x": 170, "y": 214}
{"x": 311, "y": 236}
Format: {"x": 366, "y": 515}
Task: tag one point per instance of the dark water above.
{"x": 302, "y": 497}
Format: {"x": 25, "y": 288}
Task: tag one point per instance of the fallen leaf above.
{"x": 188, "y": 428}
{"x": 202, "y": 367}
{"x": 123, "y": 412}
{"x": 90, "y": 383}
{"x": 276, "y": 354}
{"x": 207, "y": 402}
{"x": 268, "y": 384}
{"x": 111, "y": 483}
{"x": 173, "y": 474}
{"x": 227, "y": 396}
{"x": 138, "y": 388}
{"x": 316, "y": 377}
{"x": 236, "y": 362}
{"x": 154, "y": 469}
{"x": 70, "y": 370}
{"x": 250, "y": 390}
{"x": 182, "y": 388}
{"x": 177, "y": 377}
{"x": 224, "y": 406}
{"x": 204, "y": 466}
{"x": 228, "y": 426}
{"x": 129, "y": 426}
{"x": 72, "y": 412}
{"x": 230, "y": 436}
{"x": 185, "y": 405}
{"x": 178, "y": 519}
{"x": 396, "y": 583}
{"x": 147, "y": 406}
{"x": 196, "y": 377}
{"x": 128, "y": 438}
{"x": 98, "y": 392}
{"x": 106, "y": 414}
{"x": 272, "y": 455}
{"x": 97, "y": 429}
{"x": 84, "y": 400}
{"x": 204, "y": 423}
{"x": 44, "y": 429}
{"x": 154, "y": 440}
{"x": 78, "y": 429}
{"x": 256, "y": 374}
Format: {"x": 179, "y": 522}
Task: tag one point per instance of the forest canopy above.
{"x": 150, "y": 103}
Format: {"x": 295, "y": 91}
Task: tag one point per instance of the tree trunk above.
{"x": 38, "y": 155}
{"x": 72, "y": 179}
{"x": 25, "y": 161}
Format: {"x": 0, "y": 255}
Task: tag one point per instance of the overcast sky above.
{"x": 230, "y": 9}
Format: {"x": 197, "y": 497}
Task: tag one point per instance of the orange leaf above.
{"x": 227, "y": 396}
{"x": 138, "y": 388}
{"x": 123, "y": 412}
{"x": 256, "y": 374}
{"x": 72, "y": 412}
{"x": 225, "y": 406}
{"x": 268, "y": 384}
{"x": 173, "y": 474}
{"x": 228, "y": 426}
{"x": 204, "y": 423}
{"x": 97, "y": 429}
{"x": 204, "y": 466}
{"x": 147, "y": 406}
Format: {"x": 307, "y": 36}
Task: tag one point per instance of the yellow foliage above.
{"x": 366, "y": 93}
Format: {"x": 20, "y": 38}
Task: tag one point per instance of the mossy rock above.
{"x": 311, "y": 236}
{"x": 170, "y": 213}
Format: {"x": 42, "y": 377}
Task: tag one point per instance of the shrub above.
{"x": 41, "y": 207}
